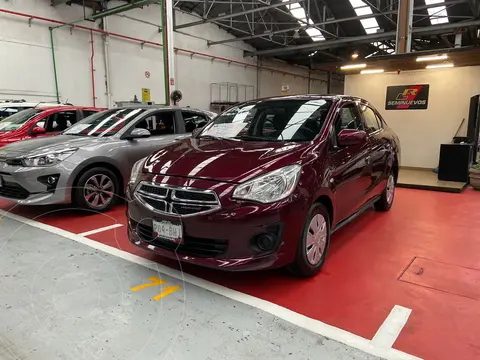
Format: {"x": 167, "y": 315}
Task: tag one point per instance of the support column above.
{"x": 404, "y": 27}
{"x": 168, "y": 49}
{"x": 329, "y": 83}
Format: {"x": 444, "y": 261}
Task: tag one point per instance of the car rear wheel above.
{"x": 96, "y": 189}
{"x": 386, "y": 199}
{"x": 313, "y": 246}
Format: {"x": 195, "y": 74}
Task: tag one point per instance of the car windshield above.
{"x": 19, "y": 119}
{"x": 105, "y": 123}
{"x": 272, "y": 120}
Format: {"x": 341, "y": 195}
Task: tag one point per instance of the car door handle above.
{"x": 367, "y": 160}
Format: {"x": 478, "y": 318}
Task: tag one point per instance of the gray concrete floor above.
{"x": 63, "y": 300}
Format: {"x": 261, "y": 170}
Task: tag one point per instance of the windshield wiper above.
{"x": 211, "y": 137}
{"x": 259, "y": 138}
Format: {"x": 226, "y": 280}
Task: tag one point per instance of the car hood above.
{"x": 225, "y": 160}
{"x": 46, "y": 144}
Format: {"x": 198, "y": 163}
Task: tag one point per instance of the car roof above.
{"x": 29, "y": 105}
{"x": 311, "y": 97}
{"x": 160, "y": 107}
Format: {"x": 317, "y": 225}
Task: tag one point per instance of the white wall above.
{"x": 422, "y": 131}
{"x": 26, "y": 67}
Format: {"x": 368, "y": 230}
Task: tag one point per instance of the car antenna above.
{"x": 37, "y": 105}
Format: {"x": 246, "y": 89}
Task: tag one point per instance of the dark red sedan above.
{"x": 264, "y": 184}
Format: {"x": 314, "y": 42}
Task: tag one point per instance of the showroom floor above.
{"x": 87, "y": 293}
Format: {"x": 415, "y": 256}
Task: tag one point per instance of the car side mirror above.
{"x": 349, "y": 137}
{"x": 138, "y": 133}
{"x": 38, "y": 131}
{"x": 197, "y": 131}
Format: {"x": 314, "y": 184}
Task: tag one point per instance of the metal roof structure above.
{"x": 315, "y": 33}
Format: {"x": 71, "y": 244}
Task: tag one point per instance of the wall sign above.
{"x": 147, "y": 74}
{"x": 285, "y": 89}
{"x": 407, "y": 97}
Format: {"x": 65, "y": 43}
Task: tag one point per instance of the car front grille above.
{"x": 192, "y": 246}
{"x": 176, "y": 200}
{"x": 13, "y": 191}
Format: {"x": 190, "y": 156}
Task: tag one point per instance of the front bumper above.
{"x": 224, "y": 238}
{"x": 22, "y": 185}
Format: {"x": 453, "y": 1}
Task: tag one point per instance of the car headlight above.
{"x": 136, "y": 170}
{"x": 271, "y": 187}
{"x": 47, "y": 159}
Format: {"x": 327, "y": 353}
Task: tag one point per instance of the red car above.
{"x": 41, "y": 121}
{"x": 264, "y": 184}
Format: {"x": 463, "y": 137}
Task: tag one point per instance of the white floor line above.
{"x": 95, "y": 231}
{"x": 313, "y": 325}
{"x": 391, "y": 327}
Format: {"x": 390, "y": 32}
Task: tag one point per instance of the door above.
{"x": 164, "y": 128}
{"x": 350, "y": 171}
{"x": 378, "y": 149}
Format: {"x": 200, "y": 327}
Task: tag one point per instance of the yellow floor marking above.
{"x": 154, "y": 282}
{"x": 167, "y": 290}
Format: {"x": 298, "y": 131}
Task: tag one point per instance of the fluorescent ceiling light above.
{"x": 353, "y": 66}
{"x": 432, "y": 58}
{"x": 439, "y": 66}
{"x": 372, "y": 71}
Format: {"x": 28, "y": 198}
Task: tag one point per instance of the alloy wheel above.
{"x": 316, "y": 239}
{"x": 98, "y": 191}
{"x": 390, "y": 189}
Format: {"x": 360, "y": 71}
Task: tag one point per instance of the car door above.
{"x": 164, "y": 127}
{"x": 378, "y": 149}
{"x": 350, "y": 173}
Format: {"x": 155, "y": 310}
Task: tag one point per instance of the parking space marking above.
{"x": 155, "y": 281}
{"x": 102, "y": 229}
{"x": 388, "y": 333}
{"x": 313, "y": 325}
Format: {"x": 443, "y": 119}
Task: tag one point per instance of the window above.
{"x": 348, "y": 118}
{"x": 161, "y": 123}
{"x": 371, "y": 122}
{"x": 105, "y": 123}
{"x": 61, "y": 121}
{"x": 87, "y": 113}
{"x": 193, "y": 120}
{"x": 18, "y": 120}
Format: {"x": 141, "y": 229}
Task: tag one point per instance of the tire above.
{"x": 388, "y": 195}
{"x": 306, "y": 264}
{"x": 104, "y": 196}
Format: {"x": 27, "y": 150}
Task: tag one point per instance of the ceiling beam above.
{"x": 390, "y": 35}
{"x": 328, "y": 22}
{"x": 241, "y": 13}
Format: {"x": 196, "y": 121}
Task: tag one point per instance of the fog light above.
{"x": 266, "y": 242}
{"x": 52, "y": 180}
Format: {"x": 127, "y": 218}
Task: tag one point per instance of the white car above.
{"x": 10, "y": 108}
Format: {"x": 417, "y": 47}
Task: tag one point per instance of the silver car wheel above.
{"x": 390, "y": 189}
{"x": 316, "y": 239}
{"x": 98, "y": 191}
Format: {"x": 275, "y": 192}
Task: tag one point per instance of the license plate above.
{"x": 168, "y": 230}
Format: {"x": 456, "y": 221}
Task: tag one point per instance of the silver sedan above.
{"x": 90, "y": 163}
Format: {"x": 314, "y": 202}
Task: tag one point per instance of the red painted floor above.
{"x": 365, "y": 273}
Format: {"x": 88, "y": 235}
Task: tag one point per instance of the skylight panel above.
{"x": 369, "y": 24}
{"x": 299, "y": 13}
{"x": 438, "y": 14}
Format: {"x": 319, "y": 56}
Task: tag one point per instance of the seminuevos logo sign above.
{"x": 407, "y": 97}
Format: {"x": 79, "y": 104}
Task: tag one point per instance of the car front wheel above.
{"x": 96, "y": 189}
{"x": 386, "y": 199}
{"x": 313, "y": 246}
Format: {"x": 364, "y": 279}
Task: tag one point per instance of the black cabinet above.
{"x": 455, "y": 160}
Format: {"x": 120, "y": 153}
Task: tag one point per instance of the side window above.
{"x": 87, "y": 113}
{"x": 348, "y": 118}
{"x": 371, "y": 122}
{"x": 61, "y": 121}
{"x": 161, "y": 123}
{"x": 193, "y": 120}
